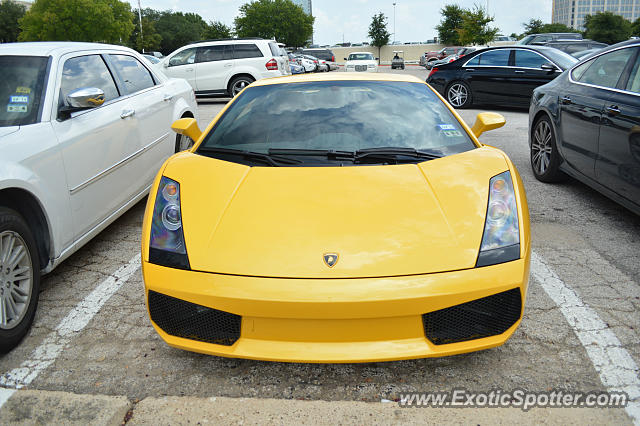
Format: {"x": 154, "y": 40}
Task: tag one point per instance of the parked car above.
{"x": 586, "y": 124}
{"x": 503, "y": 75}
{"x": 547, "y": 37}
{"x": 321, "y": 66}
{"x": 308, "y": 64}
{"x": 398, "y": 60}
{"x": 361, "y": 62}
{"x": 584, "y": 53}
{"x": 156, "y": 54}
{"x": 295, "y": 68}
{"x": 439, "y": 62}
{"x": 258, "y": 243}
{"x": 83, "y": 130}
{"x": 324, "y": 54}
{"x": 573, "y": 46}
{"x": 152, "y": 59}
{"x": 442, "y": 53}
{"x": 225, "y": 67}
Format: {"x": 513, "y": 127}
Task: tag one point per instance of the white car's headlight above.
{"x": 372, "y": 65}
{"x": 501, "y": 238}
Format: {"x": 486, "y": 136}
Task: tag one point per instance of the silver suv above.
{"x": 225, "y": 67}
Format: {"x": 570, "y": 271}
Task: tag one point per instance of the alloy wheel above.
{"x": 457, "y": 95}
{"x": 238, "y": 86}
{"x": 541, "y": 147}
{"x": 16, "y": 279}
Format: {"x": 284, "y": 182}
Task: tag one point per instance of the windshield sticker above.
{"x": 452, "y": 133}
{"x": 16, "y": 108}
{"x": 22, "y": 89}
{"x": 19, "y": 99}
{"x": 446, "y": 126}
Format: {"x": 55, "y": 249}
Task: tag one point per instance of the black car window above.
{"x": 87, "y": 71}
{"x": 21, "y": 89}
{"x": 633, "y": 85}
{"x": 606, "y": 70}
{"x": 186, "y": 57}
{"x": 529, "y": 59}
{"x": 242, "y": 51}
{"x": 495, "y": 58}
{"x": 577, "y": 72}
{"x": 136, "y": 77}
{"x": 218, "y": 52}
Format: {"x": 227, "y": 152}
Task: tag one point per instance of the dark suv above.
{"x": 547, "y": 37}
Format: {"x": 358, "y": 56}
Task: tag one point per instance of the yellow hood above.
{"x": 381, "y": 220}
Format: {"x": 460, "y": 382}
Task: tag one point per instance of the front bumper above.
{"x": 337, "y": 320}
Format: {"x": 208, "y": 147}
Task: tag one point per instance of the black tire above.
{"x": 403, "y": 67}
{"x": 459, "y": 95}
{"x": 543, "y": 152}
{"x": 12, "y": 224}
{"x": 239, "y": 83}
{"x": 183, "y": 142}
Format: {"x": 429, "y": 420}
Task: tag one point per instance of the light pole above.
{"x": 394, "y": 23}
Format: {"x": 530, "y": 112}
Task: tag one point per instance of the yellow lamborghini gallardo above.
{"x": 339, "y": 218}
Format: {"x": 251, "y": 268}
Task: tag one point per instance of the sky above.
{"x": 415, "y": 20}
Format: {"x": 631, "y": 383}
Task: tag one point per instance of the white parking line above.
{"x": 617, "y": 369}
{"x": 53, "y": 345}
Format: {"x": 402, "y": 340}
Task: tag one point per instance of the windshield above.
{"x": 560, "y": 58}
{"x": 360, "y": 57}
{"x": 21, "y": 88}
{"x": 526, "y": 40}
{"x": 341, "y": 116}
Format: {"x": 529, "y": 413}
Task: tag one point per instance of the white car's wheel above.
{"x": 19, "y": 278}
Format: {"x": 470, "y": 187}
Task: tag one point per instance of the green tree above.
{"x": 635, "y": 28}
{"x": 150, "y": 39}
{"x": 475, "y": 27}
{"x": 10, "y": 14}
{"x": 108, "y": 21}
{"x": 217, "y": 29}
{"x": 279, "y": 19}
{"x": 378, "y": 32}
{"x": 450, "y": 24}
{"x": 178, "y": 29}
{"x": 607, "y": 27}
{"x": 534, "y": 26}
{"x": 558, "y": 28}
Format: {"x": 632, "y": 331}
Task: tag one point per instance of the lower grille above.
{"x": 190, "y": 321}
{"x": 479, "y": 318}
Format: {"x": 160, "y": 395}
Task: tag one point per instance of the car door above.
{"x": 182, "y": 65}
{"x": 95, "y": 143}
{"x": 528, "y": 74}
{"x": 152, "y": 104}
{"x": 214, "y": 64}
{"x": 487, "y": 74}
{"x": 618, "y": 162}
{"x": 582, "y": 105}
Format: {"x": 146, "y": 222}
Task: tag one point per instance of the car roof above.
{"x": 360, "y": 53}
{"x": 519, "y": 46}
{"x": 54, "y": 48}
{"x": 346, "y": 76}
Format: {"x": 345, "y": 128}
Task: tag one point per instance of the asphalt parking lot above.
{"x": 585, "y": 269}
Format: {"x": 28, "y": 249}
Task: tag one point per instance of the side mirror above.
{"x": 345, "y": 59}
{"x": 377, "y": 59}
{"x": 548, "y": 67}
{"x": 88, "y": 97}
{"x": 486, "y": 121}
{"x": 165, "y": 64}
{"x": 188, "y": 127}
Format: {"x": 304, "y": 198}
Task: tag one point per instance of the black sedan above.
{"x": 586, "y": 123}
{"x": 498, "y": 75}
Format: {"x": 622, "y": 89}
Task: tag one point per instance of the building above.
{"x": 305, "y": 5}
{"x": 26, "y": 4}
{"x": 572, "y": 12}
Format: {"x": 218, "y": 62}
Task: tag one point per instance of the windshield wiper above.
{"x": 272, "y": 160}
{"x": 329, "y": 153}
{"x": 394, "y": 153}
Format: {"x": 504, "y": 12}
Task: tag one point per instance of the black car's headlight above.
{"x": 501, "y": 237}
{"x": 167, "y": 247}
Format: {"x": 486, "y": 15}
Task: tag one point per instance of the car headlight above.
{"x": 167, "y": 247}
{"x": 501, "y": 238}
{"x": 372, "y": 66}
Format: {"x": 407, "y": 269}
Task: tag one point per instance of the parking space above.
{"x": 589, "y": 243}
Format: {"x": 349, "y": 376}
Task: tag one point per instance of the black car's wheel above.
{"x": 459, "y": 95}
{"x": 545, "y": 159}
{"x": 19, "y": 279}
{"x": 403, "y": 67}
{"x": 183, "y": 142}
{"x": 239, "y": 83}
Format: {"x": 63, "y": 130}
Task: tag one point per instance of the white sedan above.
{"x": 361, "y": 62}
{"x": 84, "y": 128}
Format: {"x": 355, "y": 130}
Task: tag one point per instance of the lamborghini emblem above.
{"x": 330, "y": 259}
